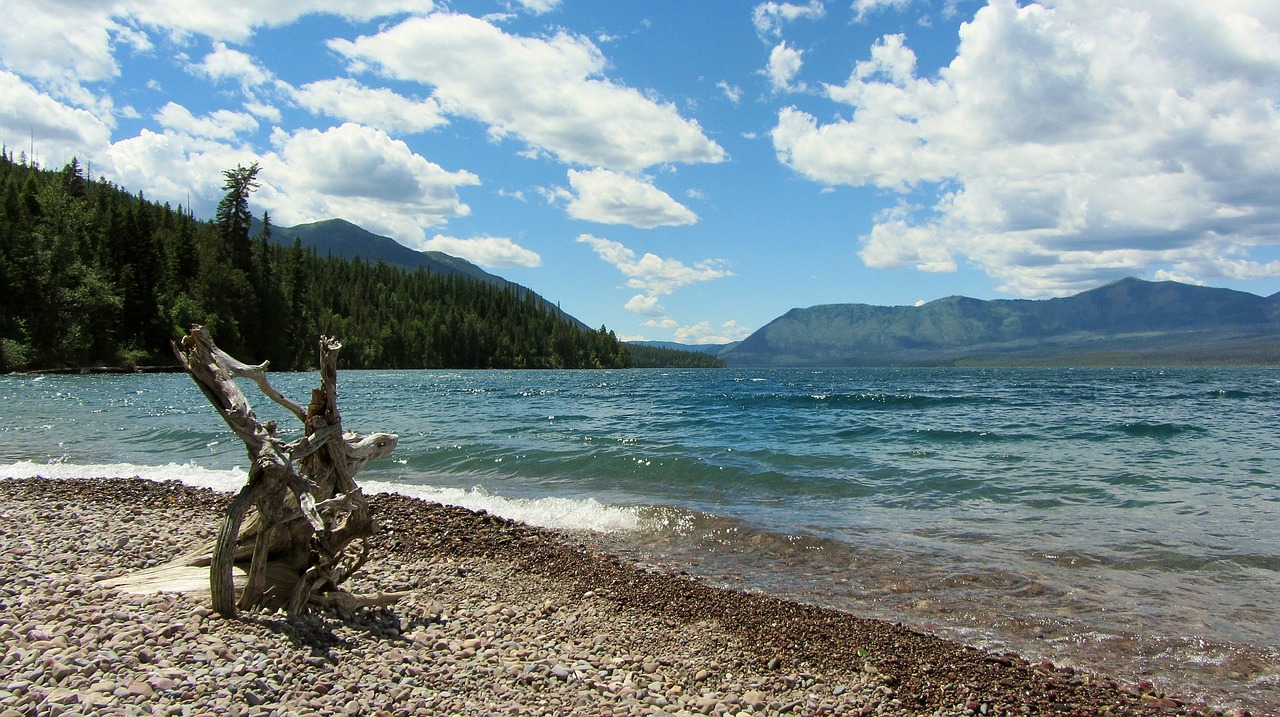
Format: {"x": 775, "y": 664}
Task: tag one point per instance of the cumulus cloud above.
{"x": 58, "y": 46}
{"x": 225, "y": 63}
{"x": 600, "y": 195}
{"x": 645, "y": 306}
{"x": 548, "y": 92}
{"x": 769, "y": 17}
{"x": 220, "y": 124}
{"x": 176, "y": 165}
{"x": 1066, "y": 145}
{"x": 363, "y": 175}
{"x": 704, "y": 333}
{"x": 784, "y": 64}
{"x": 59, "y": 130}
{"x": 236, "y": 20}
{"x": 493, "y": 252}
{"x": 357, "y": 173}
{"x": 350, "y": 101}
{"x": 64, "y": 43}
{"x": 653, "y": 275}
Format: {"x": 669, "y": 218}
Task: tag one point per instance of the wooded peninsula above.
{"x": 91, "y": 275}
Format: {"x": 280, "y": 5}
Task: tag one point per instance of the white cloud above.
{"x": 357, "y": 173}
{"x": 59, "y": 43}
{"x": 348, "y": 100}
{"x": 237, "y": 20}
{"x": 1067, "y": 144}
{"x": 270, "y": 113}
{"x": 225, "y": 63}
{"x": 704, "y": 333}
{"x": 784, "y": 64}
{"x": 645, "y": 306}
{"x": 64, "y": 43}
{"x": 863, "y": 8}
{"x": 363, "y": 175}
{"x": 550, "y": 93}
{"x": 650, "y": 272}
{"x": 653, "y": 275}
{"x": 176, "y": 166}
{"x": 492, "y": 252}
{"x": 539, "y": 7}
{"x": 1166, "y": 275}
{"x": 59, "y": 131}
{"x": 611, "y": 198}
{"x": 769, "y": 17}
{"x": 221, "y": 124}
{"x": 665, "y": 322}
{"x": 732, "y": 92}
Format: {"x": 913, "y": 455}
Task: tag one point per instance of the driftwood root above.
{"x": 298, "y": 526}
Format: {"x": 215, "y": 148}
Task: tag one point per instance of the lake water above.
{"x": 1117, "y": 520}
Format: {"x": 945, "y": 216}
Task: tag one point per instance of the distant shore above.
{"x": 500, "y": 618}
{"x": 108, "y": 369}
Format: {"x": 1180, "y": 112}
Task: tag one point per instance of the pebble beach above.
{"x": 498, "y": 619}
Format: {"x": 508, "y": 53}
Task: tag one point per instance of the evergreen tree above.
{"x": 233, "y": 217}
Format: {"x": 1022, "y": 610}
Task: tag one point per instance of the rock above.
{"x": 60, "y": 671}
{"x": 644, "y": 643}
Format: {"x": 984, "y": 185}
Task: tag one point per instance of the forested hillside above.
{"x": 1126, "y": 322}
{"x": 646, "y": 356}
{"x": 93, "y": 275}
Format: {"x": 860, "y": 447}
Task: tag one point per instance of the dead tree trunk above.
{"x": 298, "y": 526}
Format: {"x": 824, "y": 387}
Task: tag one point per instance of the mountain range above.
{"x": 1130, "y": 321}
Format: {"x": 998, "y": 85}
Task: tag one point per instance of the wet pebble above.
{"x": 509, "y": 620}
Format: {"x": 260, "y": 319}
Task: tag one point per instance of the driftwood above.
{"x": 298, "y": 526}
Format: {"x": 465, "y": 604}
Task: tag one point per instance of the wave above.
{"x": 557, "y": 513}
{"x": 226, "y": 480}
{"x": 1142, "y": 429}
{"x": 867, "y": 400}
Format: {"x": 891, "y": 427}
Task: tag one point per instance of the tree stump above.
{"x": 299, "y": 524}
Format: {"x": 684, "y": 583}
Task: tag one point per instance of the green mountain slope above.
{"x": 342, "y": 238}
{"x": 1125, "y": 322}
{"x": 339, "y": 237}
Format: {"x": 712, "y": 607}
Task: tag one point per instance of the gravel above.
{"x": 499, "y": 619}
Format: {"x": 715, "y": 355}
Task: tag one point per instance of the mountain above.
{"x": 713, "y": 349}
{"x": 340, "y": 237}
{"x": 1130, "y": 321}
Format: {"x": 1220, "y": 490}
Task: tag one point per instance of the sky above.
{"x": 689, "y": 170}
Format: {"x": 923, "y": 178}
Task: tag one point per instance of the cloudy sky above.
{"x": 691, "y": 170}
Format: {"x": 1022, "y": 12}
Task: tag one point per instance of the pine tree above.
{"x": 233, "y": 218}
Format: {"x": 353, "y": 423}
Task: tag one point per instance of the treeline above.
{"x": 91, "y": 275}
{"x": 659, "y": 357}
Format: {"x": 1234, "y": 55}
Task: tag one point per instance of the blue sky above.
{"x": 691, "y": 170}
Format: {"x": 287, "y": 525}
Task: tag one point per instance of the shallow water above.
{"x": 1119, "y": 520}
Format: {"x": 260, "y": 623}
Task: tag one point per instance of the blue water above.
{"x": 1122, "y": 520}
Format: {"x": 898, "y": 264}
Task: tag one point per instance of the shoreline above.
{"x": 500, "y": 618}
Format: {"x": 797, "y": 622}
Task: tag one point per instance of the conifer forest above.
{"x": 92, "y": 275}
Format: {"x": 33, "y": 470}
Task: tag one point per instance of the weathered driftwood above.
{"x": 298, "y": 526}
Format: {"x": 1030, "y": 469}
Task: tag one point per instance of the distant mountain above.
{"x": 1126, "y": 322}
{"x": 713, "y": 349}
{"x": 340, "y": 237}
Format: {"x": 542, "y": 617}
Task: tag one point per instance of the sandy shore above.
{"x": 500, "y": 619}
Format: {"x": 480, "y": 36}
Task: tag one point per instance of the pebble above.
{"x": 499, "y": 619}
